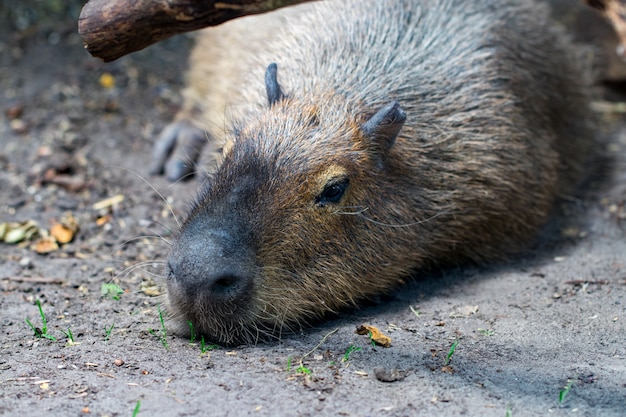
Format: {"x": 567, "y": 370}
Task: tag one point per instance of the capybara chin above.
{"x": 389, "y": 136}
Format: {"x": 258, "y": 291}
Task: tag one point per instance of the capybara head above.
{"x": 299, "y": 220}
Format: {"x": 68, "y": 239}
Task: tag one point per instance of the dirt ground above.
{"x": 75, "y": 132}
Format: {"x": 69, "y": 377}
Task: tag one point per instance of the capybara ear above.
{"x": 274, "y": 93}
{"x": 383, "y": 127}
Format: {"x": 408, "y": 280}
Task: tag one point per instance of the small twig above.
{"x": 37, "y": 280}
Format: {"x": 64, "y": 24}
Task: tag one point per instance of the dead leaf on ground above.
{"x": 107, "y": 80}
{"x": 375, "y": 334}
{"x": 101, "y": 221}
{"x": 448, "y": 369}
{"x": 45, "y": 244}
{"x": 13, "y": 232}
{"x": 65, "y": 229}
{"x": 61, "y": 232}
{"x": 15, "y": 111}
{"x": 150, "y": 288}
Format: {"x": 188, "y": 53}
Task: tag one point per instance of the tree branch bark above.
{"x": 111, "y": 29}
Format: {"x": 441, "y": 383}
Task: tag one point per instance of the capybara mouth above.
{"x": 218, "y": 309}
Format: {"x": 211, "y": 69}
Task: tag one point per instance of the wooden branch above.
{"x": 113, "y": 28}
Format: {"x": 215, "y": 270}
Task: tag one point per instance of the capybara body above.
{"x": 398, "y": 135}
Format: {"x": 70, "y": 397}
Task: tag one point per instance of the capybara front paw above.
{"x": 177, "y": 150}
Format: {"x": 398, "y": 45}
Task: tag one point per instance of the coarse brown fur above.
{"x": 323, "y": 199}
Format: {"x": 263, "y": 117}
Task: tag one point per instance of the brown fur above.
{"x": 496, "y": 130}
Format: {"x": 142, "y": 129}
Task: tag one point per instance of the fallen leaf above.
{"x": 107, "y": 80}
{"x": 45, "y": 244}
{"x": 101, "y": 221}
{"x": 14, "y": 112}
{"x": 65, "y": 229}
{"x": 61, "y": 233}
{"x": 69, "y": 221}
{"x": 149, "y": 289}
{"x": 375, "y": 334}
{"x": 18, "y": 232}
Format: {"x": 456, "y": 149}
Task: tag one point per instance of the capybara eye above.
{"x": 333, "y": 192}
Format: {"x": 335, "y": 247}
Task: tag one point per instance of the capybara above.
{"x": 367, "y": 140}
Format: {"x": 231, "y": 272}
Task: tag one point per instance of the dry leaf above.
{"x": 18, "y": 232}
{"x": 447, "y": 369}
{"x": 65, "y": 229}
{"x": 101, "y": 221}
{"x": 14, "y": 112}
{"x": 45, "y": 244}
{"x": 61, "y": 233}
{"x": 376, "y": 335}
{"x": 107, "y": 80}
{"x": 150, "y": 288}
{"x": 70, "y": 222}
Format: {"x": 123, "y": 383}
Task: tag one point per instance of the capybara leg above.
{"x": 177, "y": 150}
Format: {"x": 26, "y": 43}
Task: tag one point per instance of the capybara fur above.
{"x": 388, "y": 137}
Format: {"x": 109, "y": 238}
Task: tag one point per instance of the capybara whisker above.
{"x": 358, "y": 210}
{"x": 140, "y": 265}
{"x": 361, "y": 211}
{"x": 158, "y": 238}
{"x": 161, "y": 196}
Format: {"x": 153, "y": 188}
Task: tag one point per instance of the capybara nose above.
{"x": 211, "y": 267}
{"x": 213, "y": 283}
{"x": 227, "y": 287}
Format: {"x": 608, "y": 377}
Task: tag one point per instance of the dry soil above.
{"x": 70, "y": 138}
